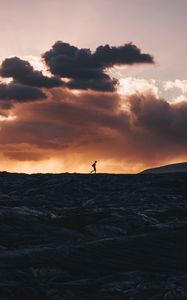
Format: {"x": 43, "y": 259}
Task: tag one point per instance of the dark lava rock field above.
{"x": 104, "y": 237}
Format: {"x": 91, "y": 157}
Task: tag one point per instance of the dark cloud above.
{"x": 83, "y": 69}
{"x": 19, "y": 93}
{"x": 86, "y": 70}
{"x": 162, "y": 119}
{"x": 22, "y": 72}
{"x": 105, "y": 85}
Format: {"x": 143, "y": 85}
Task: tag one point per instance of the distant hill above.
{"x": 173, "y": 168}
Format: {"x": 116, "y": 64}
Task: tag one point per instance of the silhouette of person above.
{"x": 94, "y": 168}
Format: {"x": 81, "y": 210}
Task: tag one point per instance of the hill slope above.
{"x": 173, "y": 168}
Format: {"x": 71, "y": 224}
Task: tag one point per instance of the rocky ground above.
{"x": 102, "y": 236}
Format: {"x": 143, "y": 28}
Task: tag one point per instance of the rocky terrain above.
{"x": 104, "y": 237}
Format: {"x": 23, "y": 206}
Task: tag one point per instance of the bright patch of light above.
{"x": 116, "y": 71}
{"x": 129, "y": 86}
{"x": 5, "y": 80}
{"x": 180, "y": 84}
{"x": 37, "y": 64}
{"x": 44, "y": 166}
{"x": 76, "y": 92}
{"x": 7, "y": 118}
{"x": 180, "y": 98}
{"x": 174, "y": 86}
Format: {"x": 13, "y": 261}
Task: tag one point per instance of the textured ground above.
{"x": 91, "y": 237}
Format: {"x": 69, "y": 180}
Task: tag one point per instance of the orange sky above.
{"x": 68, "y": 131}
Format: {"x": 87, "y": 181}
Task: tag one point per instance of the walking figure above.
{"x": 94, "y": 168}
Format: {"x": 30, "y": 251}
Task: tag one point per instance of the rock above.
{"x": 105, "y": 237}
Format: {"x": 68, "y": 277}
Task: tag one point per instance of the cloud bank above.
{"x": 123, "y": 131}
{"x": 77, "y": 129}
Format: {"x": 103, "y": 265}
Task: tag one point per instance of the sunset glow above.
{"x": 92, "y": 86}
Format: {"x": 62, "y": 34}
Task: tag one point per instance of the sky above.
{"x": 90, "y": 80}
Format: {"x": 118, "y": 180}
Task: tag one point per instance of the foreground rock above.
{"x": 101, "y": 236}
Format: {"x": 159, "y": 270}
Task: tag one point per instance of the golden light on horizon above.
{"x": 71, "y": 165}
